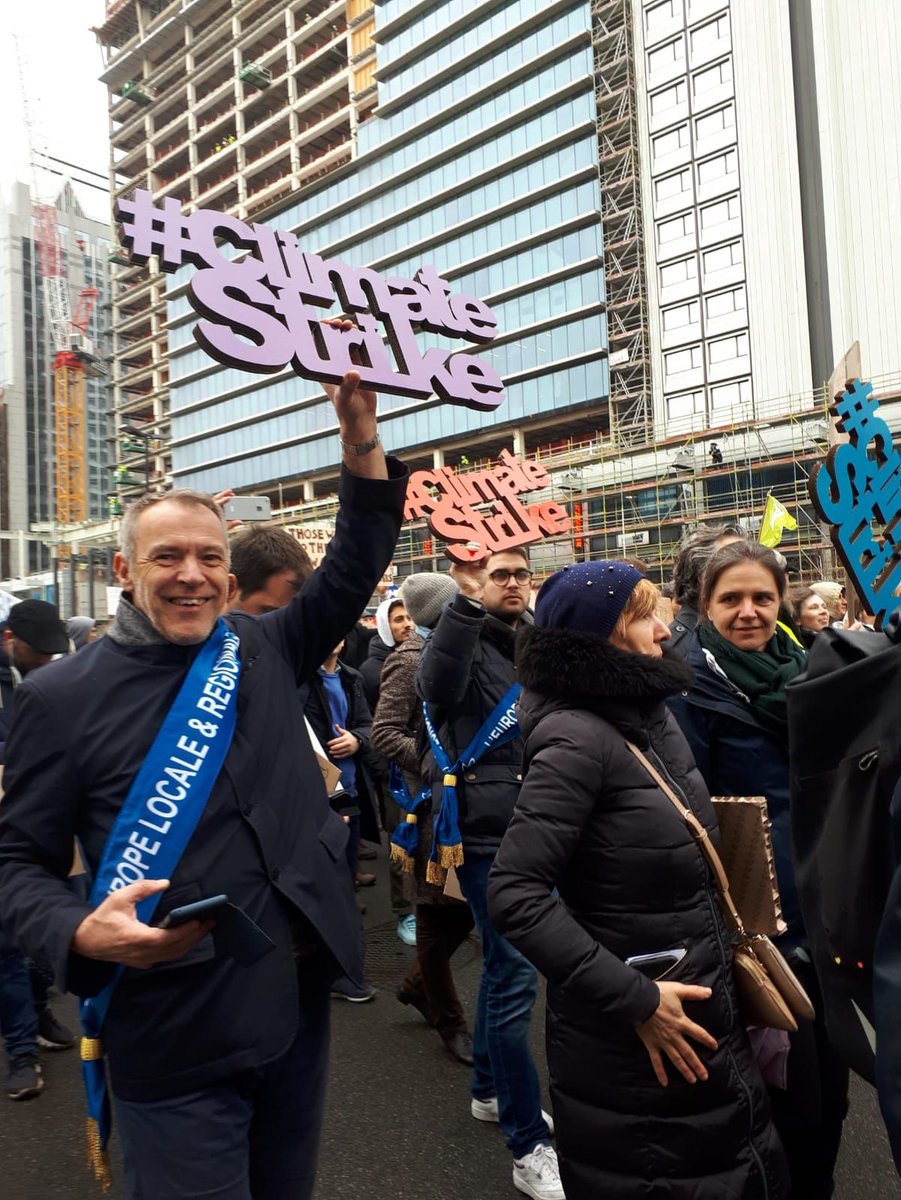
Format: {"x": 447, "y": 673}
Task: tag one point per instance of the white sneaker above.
{"x": 487, "y": 1110}
{"x": 538, "y": 1174}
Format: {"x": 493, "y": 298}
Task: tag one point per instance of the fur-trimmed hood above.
{"x": 587, "y": 671}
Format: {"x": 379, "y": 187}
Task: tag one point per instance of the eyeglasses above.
{"x": 502, "y": 577}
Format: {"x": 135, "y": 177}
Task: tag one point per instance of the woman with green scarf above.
{"x": 734, "y": 718}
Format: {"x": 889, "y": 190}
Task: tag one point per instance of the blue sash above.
{"x": 156, "y": 822}
{"x": 500, "y": 726}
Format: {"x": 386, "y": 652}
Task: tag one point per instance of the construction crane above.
{"x": 74, "y": 360}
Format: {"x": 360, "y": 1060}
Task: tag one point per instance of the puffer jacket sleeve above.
{"x": 445, "y": 668}
{"x": 564, "y": 782}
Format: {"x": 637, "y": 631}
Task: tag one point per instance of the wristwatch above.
{"x": 359, "y": 448}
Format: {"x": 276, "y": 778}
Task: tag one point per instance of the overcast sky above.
{"x": 61, "y": 61}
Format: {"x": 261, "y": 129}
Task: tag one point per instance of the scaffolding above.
{"x": 641, "y": 502}
{"x": 627, "y": 314}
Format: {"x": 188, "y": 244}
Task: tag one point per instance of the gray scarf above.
{"x": 133, "y": 628}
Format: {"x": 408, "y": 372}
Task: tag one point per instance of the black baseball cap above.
{"x": 38, "y": 624}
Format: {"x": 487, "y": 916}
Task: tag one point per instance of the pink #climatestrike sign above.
{"x": 263, "y": 310}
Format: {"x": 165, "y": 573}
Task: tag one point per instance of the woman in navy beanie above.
{"x": 600, "y": 884}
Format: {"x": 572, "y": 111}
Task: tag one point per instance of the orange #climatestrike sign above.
{"x": 478, "y": 513}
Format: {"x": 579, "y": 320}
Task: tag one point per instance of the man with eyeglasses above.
{"x": 467, "y": 673}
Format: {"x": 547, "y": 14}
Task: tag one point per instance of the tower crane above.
{"x": 74, "y": 358}
{"x": 73, "y": 361}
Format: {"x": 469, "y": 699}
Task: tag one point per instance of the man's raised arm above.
{"x": 370, "y": 510}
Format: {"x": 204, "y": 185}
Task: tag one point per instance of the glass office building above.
{"x": 481, "y": 159}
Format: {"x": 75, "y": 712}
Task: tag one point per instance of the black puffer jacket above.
{"x": 738, "y": 756}
{"x": 466, "y": 668}
{"x": 592, "y": 823}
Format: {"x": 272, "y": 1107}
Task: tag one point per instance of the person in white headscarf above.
{"x": 393, "y": 626}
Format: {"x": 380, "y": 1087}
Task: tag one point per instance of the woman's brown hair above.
{"x": 732, "y": 556}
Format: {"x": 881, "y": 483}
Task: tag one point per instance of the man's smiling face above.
{"x": 179, "y": 578}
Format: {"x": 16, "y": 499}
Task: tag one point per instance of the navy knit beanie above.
{"x": 589, "y": 597}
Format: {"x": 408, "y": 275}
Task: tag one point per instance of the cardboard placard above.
{"x": 331, "y": 775}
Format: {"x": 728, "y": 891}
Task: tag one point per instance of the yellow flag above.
{"x": 776, "y": 518}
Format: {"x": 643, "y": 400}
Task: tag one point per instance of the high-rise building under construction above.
{"x": 659, "y": 198}
{"x": 30, "y": 452}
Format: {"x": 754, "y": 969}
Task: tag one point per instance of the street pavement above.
{"x": 398, "y": 1125}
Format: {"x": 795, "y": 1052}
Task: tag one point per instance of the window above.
{"x": 670, "y": 142}
{"x": 670, "y": 231}
{"x": 718, "y": 167}
{"x": 707, "y": 36}
{"x": 666, "y": 56}
{"x": 719, "y": 213}
{"x": 669, "y": 99}
{"x": 712, "y": 77}
{"x": 679, "y": 361}
{"x": 715, "y": 122}
{"x": 727, "y": 349}
{"x": 686, "y": 404}
{"x": 675, "y": 273}
{"x": 731, "y": 395}
{"x": 723, "y": 257}
{"x": 723, "y": 304}
{"x": 680, "y": 316}
{"x": 660, "y": 15}
{"x": 671, "y": 186}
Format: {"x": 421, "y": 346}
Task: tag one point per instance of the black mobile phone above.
{"x": 659, "y": 965}
{"x": 200, "y": 910}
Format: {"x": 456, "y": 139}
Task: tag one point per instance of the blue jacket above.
{"x": 739, "y": 757}
{"x": 268, "y": 837}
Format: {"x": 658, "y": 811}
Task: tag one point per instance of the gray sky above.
{"x": 61, "y": 61}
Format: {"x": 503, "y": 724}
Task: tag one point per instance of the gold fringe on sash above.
{"x": 98, "y": 1158}
{"x": 448, "y": 856}
{"x": 91, "y": 1050}
{"x": 402, "y": 858}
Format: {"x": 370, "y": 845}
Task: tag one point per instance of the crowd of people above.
{"x": 191, "y": 859}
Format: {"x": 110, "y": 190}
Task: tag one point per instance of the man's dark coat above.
{"x": 267, "y": 838}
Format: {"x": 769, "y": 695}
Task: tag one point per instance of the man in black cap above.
{"x": 33, "y": 635}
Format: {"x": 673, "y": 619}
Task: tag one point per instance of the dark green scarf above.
{"x": 761, "y": 674}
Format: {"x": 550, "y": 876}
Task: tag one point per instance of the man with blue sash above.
{"x": 468, "y": 680}
{"x": 170, "y": 748}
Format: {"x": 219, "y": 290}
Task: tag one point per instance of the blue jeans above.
{"x": 18, "y": 1015}
{"x": 502, "y": 1058}
{"x": 252, "y": 1137}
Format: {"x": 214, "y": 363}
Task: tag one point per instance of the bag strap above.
{"x": 701, "y": 836}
